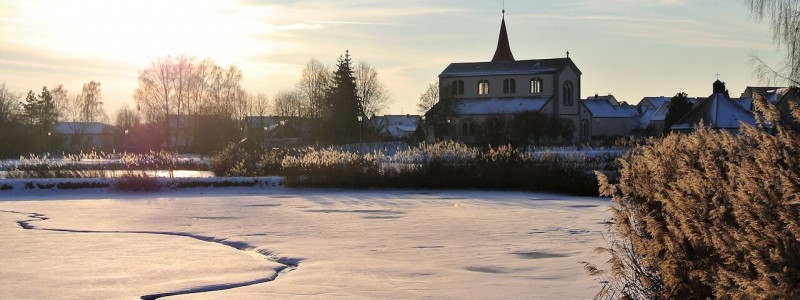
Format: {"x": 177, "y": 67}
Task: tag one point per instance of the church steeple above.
{"x": 503, "y": 52}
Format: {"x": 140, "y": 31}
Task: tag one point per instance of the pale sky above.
{"x": 630, "y": 48}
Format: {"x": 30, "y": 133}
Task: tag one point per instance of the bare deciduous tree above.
{"x": 259, "y": 105}
{"x": 784, "y": 17}
{"x": 314, "y": 84}
{"x": 372, "y": 93}
{"x": 155, "y": 90}
{"x": 127, "y": 118}
{"x": 61, "y": 100}
{"x": 91, "y": 103}
{"x": 429, "y": 98}
{"x": 288, "y": 104}
{"x": 9, "y": 105}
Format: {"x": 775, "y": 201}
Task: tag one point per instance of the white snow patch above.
{"x": 353, "y": 244}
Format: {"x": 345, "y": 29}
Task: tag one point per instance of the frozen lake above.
{"x": 251, "y": 243}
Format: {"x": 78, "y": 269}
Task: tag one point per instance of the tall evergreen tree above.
{"x": 679, "y": 106}
{"x": 343, "y": 101}
{"x": 47, "y": 109}
{"x": 31, "y": 107}
{"x": 40, "y": 110}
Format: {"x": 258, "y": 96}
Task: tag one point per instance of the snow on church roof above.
{"x": 494, "y": 106}
{"x": 519, "y": 67}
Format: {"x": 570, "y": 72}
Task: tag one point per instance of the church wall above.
{"x": 496, "y": 86}
{"x": 569, "y": 75}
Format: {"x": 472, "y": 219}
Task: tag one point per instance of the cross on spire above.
{"x": 504, "y": 7}
{"x": 717, "y": 75}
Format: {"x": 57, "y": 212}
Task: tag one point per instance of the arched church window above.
{"x": 457, "y": 87}
{"x": 483, "y": 87}
{"x": 536, "y": 85}
{"x": 584, "y": 129}
{"x": 568, "y": 94}
{"x": 509, "y": 86}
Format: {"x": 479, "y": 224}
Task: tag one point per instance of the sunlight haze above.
{"x": 632, "y": 49}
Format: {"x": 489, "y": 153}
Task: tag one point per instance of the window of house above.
{"x": 568, "y": 94}
{"x": 536, "y": 85}
{"x": 457, "y": 87}
{"x": 584, "y": 129}
{"x": 483, "y": 87}
{"x": 509, "y": 86}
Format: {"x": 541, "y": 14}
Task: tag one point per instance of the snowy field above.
{"x": 275, "y": 243}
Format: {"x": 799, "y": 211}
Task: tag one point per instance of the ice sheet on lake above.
{"x": 363, "y": 244}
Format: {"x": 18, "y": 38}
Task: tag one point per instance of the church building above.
{"x": 480, "y": 99}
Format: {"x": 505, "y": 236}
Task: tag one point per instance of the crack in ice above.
{"x": 288, "y": 264}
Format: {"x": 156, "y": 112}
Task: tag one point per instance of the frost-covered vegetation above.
{"x": 444, "y": 165}
{"x": 98, "y": 165}
{"x": 708, "y": 215}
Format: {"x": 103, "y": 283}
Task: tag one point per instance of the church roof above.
{"x": 519, "y": 67}
{"x": 503, "y": 52}
{"x": 491, "y": 106}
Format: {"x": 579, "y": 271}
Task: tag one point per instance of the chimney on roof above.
{"x": 503, "y": 52}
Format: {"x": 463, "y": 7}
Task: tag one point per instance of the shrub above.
{"x": 237, "y": 159}
{"x": 134, "y": 183}
{"x": 707, "y": 215}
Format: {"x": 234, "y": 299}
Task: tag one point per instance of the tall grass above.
{"x": 444, "y": 165}
{"x": 96, "y": 165}
{"x": 707, "y": 215}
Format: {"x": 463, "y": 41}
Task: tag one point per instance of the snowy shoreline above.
{"x": 34, "y": 185}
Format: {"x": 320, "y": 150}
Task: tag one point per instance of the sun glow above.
{"x": 136, "y": 29}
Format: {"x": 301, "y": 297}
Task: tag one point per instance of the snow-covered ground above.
{"x": 276, "y": 243}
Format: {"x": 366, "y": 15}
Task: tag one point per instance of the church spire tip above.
{"x": 503, "y": 52}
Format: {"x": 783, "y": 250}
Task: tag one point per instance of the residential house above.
{"x": 394, "y": 127}
{"x": 718, "y": 112}
{"x": 609, "y": 119}
{"x": 81, "y": 136}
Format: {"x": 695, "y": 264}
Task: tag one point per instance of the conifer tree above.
{"x": 679, "y": 106}
{"x": 40, "y": 111}
{"x": 343, "y": 102}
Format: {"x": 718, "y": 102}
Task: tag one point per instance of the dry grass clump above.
{"x": 444, "y": 165}
{"x": 707, "y": 215}
{"x": 95, "y": 165}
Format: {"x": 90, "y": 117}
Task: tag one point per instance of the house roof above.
{"x": 79, "y": 128}
{"x": 718, "y": 111}
{"x": 492, "y": 106}
{"x": 655, "y": 114}
{"x": 765, "y": 91}
{"x": 396, "y": 119}
{"x": 519, "y": 67}
{"x": 654, "y": 101}
{"x": 608, "y": 98}
{"x": 604, "y": 109}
